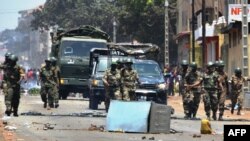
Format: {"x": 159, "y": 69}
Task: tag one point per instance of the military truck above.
{"x": 152, "y": 87}
{"x": 71, "y": 48}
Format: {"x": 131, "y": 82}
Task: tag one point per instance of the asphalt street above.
{"x": 72, "y": 121}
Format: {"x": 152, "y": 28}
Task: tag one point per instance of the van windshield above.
{"x": 79, "y": 48}
{"x": 148, "y": 69}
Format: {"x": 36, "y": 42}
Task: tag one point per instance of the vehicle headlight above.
{"x": 162, "y": 86}
{"x": 96, "y": 83}
{"x": 63, "y": 81}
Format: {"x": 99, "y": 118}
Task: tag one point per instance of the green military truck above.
{"x": 71, "y": 48}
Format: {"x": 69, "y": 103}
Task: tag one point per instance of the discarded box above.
{"x": 128, "y": 116}
{"x": 159, "y": 120}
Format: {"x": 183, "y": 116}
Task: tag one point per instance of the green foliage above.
{"x": 142, "y": 20}
{"x": 34, "y": 91}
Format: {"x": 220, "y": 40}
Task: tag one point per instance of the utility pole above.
{"x": 193, "y": 33}
{"x": 166, "y": 51}
{"x": 203, "y": 32}
{"x": 244, "y": 32}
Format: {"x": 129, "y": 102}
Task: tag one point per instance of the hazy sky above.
{"x": 9, "y": 11}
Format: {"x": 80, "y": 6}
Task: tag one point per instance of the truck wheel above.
{"x": 93, "y": 103}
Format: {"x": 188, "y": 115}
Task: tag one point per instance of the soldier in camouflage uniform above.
{"x": 129, "y": 77}
{"x": 223, "y": 88}
{"x": 192, "y": 86}
{"x": 47, "y": 84}
{"x": 111, "y": 81}
{"x": 184, "y": 70}
{"x": 237, "y": 82}
{"x": 14, "y": 76}
{"x": 3, "y": 67}
{"x": 210, "y": 84}
{"x": 56, "y": 74}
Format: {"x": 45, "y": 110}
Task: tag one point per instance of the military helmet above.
{"x": 221, "y": 63}
{"x": 129, "y": 61}
{"x": 184, "y": 62}
{"x": 113, "y": 63}
{"x": 193, "y": 65}
{"x": 48, "y": 60}
{"x": 119, "y": 61}
{"x": 237, "y": 70}
{"x": 7, "y": 54}
{"x": 216, "y": 63}
{"x": 210, "y": 64}
{"x": 53, "y": 59}
{"x": 13, "y": 58}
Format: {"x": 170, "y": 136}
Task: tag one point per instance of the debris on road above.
{"x": 196, "y": 136}
{"x": 94, "y": 127}
{"x": 32, "y": 113}
{"x": 10, "y": 128}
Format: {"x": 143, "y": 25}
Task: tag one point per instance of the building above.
{"x": 214, "y": 22}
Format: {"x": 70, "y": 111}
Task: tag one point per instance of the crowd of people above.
{"x": 120, "y": 82}
{"x": 212, "y": 86}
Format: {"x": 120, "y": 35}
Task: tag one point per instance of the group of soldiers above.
{"x": 213, "y": 86}
{"x": 49, "y": 80}
{"x": 13, "y": 75}
{"x": 120, "y": 82}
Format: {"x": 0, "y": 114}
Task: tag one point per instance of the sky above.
{"x": 9, "y": 11}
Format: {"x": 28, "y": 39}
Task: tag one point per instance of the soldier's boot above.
{"x": 238, "y": 112}
{"x": 220, "y": 117}
{"x": 208, "y": 116}
{"x": 45, "y": 105}
{"x": 214, "y": 116}
{"x": 232, "y": 111}
{"x": 194, "y": 115}
{"x": 7, "y": 112}
{"x": 187, "y": 116}
{"x": 15, "y": 113}
{"x": 56, "y": 105}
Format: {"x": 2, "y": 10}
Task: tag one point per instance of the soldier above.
{"x": 237, "y": 82}
{"x": 14, "y": 76}
{"x": 210, "y": 84}
{"x": 3, "y": 67}
{"x": 184, "y": 69}
{"x": 111, "y": 81}
{"x": 192, "y": 88}
{"x": 47, "y": 84}
{"x": 56, "y": 74}
{"x": 223, "y": 87}
{"x": 129, "y": 77}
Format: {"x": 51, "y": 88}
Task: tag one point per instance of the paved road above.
{"x": 70, "y": 123}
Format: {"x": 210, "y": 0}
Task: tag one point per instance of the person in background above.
{"x": 237, "y": 82}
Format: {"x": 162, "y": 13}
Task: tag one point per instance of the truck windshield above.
{"x": 79, "y": 48}
{"x": 148, "y": 69}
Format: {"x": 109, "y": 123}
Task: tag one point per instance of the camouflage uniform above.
{"x": 237, "y": 94}
{"x": 128, "y": 79}
{"x": 56, "y": 74}
{"x": 47, "y": 84}
{"x": 111, "y": 81}
{"x": 210, "y": 84}
{"x": 192, "y": 96}
{"x": 182, "y": 88}
{"x": 14, "y": 75}
{"x": 3, "y": 67}
{"x": 223, "y": 88}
